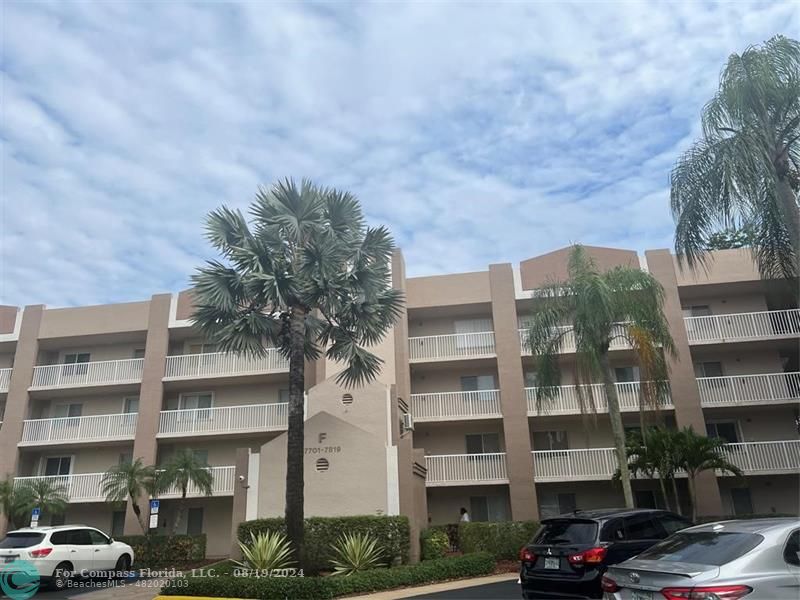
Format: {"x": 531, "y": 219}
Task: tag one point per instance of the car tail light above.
{"x": 712, "y": 592}
{"x": 526, "y": 555}
{"x": 40, "y": 553}
{"x": 592, "y": 556}
{"x": 608, "y": 585}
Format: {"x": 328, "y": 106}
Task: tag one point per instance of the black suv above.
{"x": 569, "y": 554}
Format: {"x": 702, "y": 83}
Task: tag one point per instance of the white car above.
{"x": 59, "y": 553}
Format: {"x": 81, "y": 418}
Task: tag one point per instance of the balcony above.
{"x": 223, "y": 364}
{"x": 455, "y": 406}
{"x": 741, "y": 327}
{"x": 106, "y": 372}
{"x": 86, "y": 487}
{"x": 5, "y": 380}
{"x": 75, "y": 430}
{"x": 744, "y": 390}
{"x": 568, "y": 343}
{"x": 466, "y": 469}
{"x": 451, "y": 346}
{"x": 251, "y": 418}
{"x": 567, "y": 401}
{"x": 588, "y": 464}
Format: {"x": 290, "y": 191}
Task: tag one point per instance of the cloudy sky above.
{"x": 478, "y": 133}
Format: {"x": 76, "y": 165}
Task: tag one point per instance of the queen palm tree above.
{"x": 50, "y": 498}
{"x": 598, "y": 308}
{"x": 698, "y": 453}
{"x": 13, "y": 502}
{"x": 305, "y": 276}
{"x": 745, "y": 169}
{"x": 130, "y": 482}
{"x": 183, "y": 470}
{"x": 655, "y": 454}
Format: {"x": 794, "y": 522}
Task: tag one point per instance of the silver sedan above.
{"x": 727, "y": 560}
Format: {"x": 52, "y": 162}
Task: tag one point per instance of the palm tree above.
{"x": 699, "y": 453}
{"x": 620, "y": 304}
{"x": 50, "y": 498}
{"x": 183, "y": 470}
{"x": 13, "y": 502}
{"x": 306, "y": 276}
{"x": 655, "y": 454}
{"x": 745, "y": 169}
{"x": 130, "y": 482}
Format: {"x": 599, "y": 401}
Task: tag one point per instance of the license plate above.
{"x": 551, "y": 563}
{"x": 9, "y": 559}
{"x": 637, "y": 595}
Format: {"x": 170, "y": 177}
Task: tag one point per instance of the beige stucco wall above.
{"x": 93, "y": 514}
{"x": 234, "y": 395}
{"x": 354, "y": 484}
{"x": 98, "y": 352}
{"x": 450, "y": 438}
{"x": 6, "y": 360}
{"x": 216, "y": 521}
{"x": 595, "y": 434}
{"x": 368, "y": 411}
{"x": 764, "y": 423}
{"x": 537, "y": 271}
{"x": 422, "y": 326}
{"x": 726, "y": 304}
{"x": 725, "y": 266}
{"x": 447, "y": 290}
{"x": 221, "y": 453}
{"x": 95, "y": 459}
{"x": 94, "y": 320}
{"x": 444, "y": 503}
{"x": 106, "y": 404}
{"x": 447, "y": 380}
{"x": 739, "y": 360}
{"x": 768, "y": 494}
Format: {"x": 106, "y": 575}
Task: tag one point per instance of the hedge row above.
{"x": 320, "y": 588}
{"x": 321, "y": 533}
{"x": 433, "y": 544}
{"x": 501, "y": 539}
{"x": 154, "y": 551}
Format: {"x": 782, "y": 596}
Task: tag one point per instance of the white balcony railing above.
{"x": 574, "y": 465}
{"x": 768, "y": 324}
{"x": 106, "y": 372}
{"x": 567, "y": 400}
{"x": 5, "y": 380}
{"x": 226, "y": 419}
{"x": 749, "y": 389}
{"x": 217, "y": 364}
{"x": 87, "y": 487}
{"x": 568, "y": 343}
{"x": 765, "y": 457}
{"x": 64, "y": 430}
{"x": 452, "y": 345}
{"x": 443, "y": 406}
{"x": 466, "y": 469}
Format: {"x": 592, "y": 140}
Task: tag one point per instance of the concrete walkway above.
{"x": 437, "y": 587}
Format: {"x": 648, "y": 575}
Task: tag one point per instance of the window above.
{"x": 626, "y": 374}
{"x": 58, "y": 465}
{"x": 791, "y": 553}
{"x": 138, "y": 353}
{"x": 67, "y": 410}
{"x": 79, "y": 537}
{"x": 97, "y": 538}
{"x": 283, "y": 396}
{"x": 126, "y": 458}
{"x": 21, "y": 539}
{"x": 613, "y": 531}
{"x": 74, "y": 363}
{"x": 474, "y": 383}
{"x": 130, "y": 405}
{"x": 698, "y": 310}
{"x": 487, "y": 508}
{"x": 727, "y": 430}
{"x": 567, "y": 503}
{"x": 117, "y": 523}
{"x": 194, "y": 522}
{"x": 482, "y": 443}
{"x": 202, "y": 348}
{"x": 703, "y": 547}
{"x": 471, "y": 326}
{"x": 59, "y": 538}
{"x": 550, "y": 440}
{"x": 194, "y": 401}
{"x": 642, "y": 527}
{"x": 645, "y": 499}
{"x": 201, "y": 455}
{"x": 530, "y": 379}
{"x": 708, "y": 369}
{"x": 742, "y": 503}
{"x": 567, "y": 531}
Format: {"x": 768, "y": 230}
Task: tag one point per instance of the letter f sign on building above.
{"x": 322, "y": 437}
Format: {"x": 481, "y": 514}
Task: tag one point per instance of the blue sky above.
{"x": 478, "y": 133}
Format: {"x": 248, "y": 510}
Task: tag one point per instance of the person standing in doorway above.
{"x": 464, "y": 515}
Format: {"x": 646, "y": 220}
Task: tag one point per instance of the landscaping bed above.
{"x": 312, "y": 588}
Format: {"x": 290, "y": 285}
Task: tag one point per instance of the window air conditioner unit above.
{"x": 408, "y": 422}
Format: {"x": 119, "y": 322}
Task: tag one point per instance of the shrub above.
{"x": 155, "y": 551}
{"x": 355, "y": 552}
{"x": 322, "y": 532}
{"x": 266, "y": 551}
{"x": 314, "y": 588}
{"x": 502, "y": 539}
{"x": 435, "y": 543}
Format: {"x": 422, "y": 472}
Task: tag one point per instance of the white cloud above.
{"x": 478, "y": 132}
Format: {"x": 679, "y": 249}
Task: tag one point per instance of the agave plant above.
{"x": 355, "y": 552}
{"x": 266, "y": 551}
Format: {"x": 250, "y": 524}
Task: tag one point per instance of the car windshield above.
{"x": 567, "y": 531}
{"x": 21, "y": 539}
{"x": 714, "y": 548}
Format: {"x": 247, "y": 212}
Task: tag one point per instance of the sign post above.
{"x": 35, "y": 514}
{"x": 154, "y": 506}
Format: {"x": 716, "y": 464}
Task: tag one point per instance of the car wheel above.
{"x": 61, "y": 576}
{"x": 123, "y": 566}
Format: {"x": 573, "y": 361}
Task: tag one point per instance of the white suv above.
{"x": 59, "y": 553}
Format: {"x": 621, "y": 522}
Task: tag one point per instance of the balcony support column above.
{"x": 682, "y": 381}
{"x": 151, "y": 393}
{"x": 17, "y": 399}
{"x": 519, "y": 462}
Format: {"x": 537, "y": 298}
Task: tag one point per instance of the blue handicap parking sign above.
{"x": 154, "y": 504}
{"x": 36, "y": 512}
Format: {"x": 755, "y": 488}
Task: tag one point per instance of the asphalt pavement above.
{"x": 503, "y": 590}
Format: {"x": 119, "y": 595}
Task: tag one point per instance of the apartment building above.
{"x": 451, "y": 422}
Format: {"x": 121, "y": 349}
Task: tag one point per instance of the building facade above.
{"x": 451, "y": 422}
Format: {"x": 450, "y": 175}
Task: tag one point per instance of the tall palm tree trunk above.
{"x": 676, "y": 496}
{"x": 788, "y": 203}
{"x": 179, "y": 512}
{"x": 295, "y": 434}
{"x": 692, "y": 494}
{"x": 138, "y": 512}
{"x": 663, "y": 487}
{"x": 617, "y": 429}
